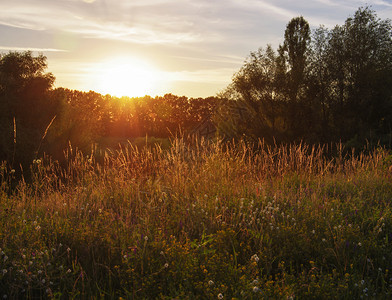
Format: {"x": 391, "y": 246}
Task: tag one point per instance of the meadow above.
{"x": 201, "y": 220}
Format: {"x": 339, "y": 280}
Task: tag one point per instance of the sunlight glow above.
{"x": 125, "y": 77}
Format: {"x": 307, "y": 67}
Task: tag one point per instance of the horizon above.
{"x": 157, "y": 47}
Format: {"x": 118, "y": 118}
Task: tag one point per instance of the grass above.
{"x": 206, "y": 221}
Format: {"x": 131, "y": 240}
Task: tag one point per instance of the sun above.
{"x": 126, "y": 77}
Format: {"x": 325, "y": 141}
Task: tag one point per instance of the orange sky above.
{"x": 184, "y": 47}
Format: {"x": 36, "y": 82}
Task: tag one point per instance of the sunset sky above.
{"x": 138, "y": 47}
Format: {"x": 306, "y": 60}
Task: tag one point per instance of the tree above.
{"x": 295, "y": 46}
{"x": 319, "y": 85}
{"x": 359, "y": 59}
{"x": 24, "y": 88}
{"x": 254, "y": 99}
{"x": 293, "y": 62}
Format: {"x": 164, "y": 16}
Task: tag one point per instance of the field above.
{"x": 207, "y": 221}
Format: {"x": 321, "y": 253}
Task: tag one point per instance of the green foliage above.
{"x": 237, "y": 220}
{"x": 329, "y": 85}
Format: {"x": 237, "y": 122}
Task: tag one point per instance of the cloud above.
{"x": 30, "y": 49}
{"x": 135, "y": 23}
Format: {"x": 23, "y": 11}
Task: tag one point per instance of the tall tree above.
{"x": 293, "y": 60}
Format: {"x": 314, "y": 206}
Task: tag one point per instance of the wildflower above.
{"x": 162, "y": 253}
{"x": 5, "y": 271}
{"x": 255, "y": 282}
{"x": 100, "y": 210}
{"x": 166, "y": 265}
{"x": 362, "y": 282}
{"x": 210, "y": 283}
{"x": 359, "y": 244}
{"x": 255, "y": 258}
{"x": 37, "y": 227}
{"x": 35, "y": 223}
{"x": 255, "y": 289}
{"x": 30, "y": 262}
{"x": 313, "y": 231}
{"x": 324, "y": 240}
{"x": 220, "y": 296}
{"x": 12, "y": 171}
{"x": 146, "y": 238}
{"x": 69, "y": 271}
{"x": 68, "y": 249}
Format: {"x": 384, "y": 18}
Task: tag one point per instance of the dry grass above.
{"x": 197, "y": 221}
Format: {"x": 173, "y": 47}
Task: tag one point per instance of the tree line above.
{"x": 318, "y": 86}
{"x": 325, "y": 85}
{"x": 36, "y": 118}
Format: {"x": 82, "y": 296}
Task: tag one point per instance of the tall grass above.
{"x": 200, "y": 220}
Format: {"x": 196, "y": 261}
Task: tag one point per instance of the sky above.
{"x": 154, "y": 47}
